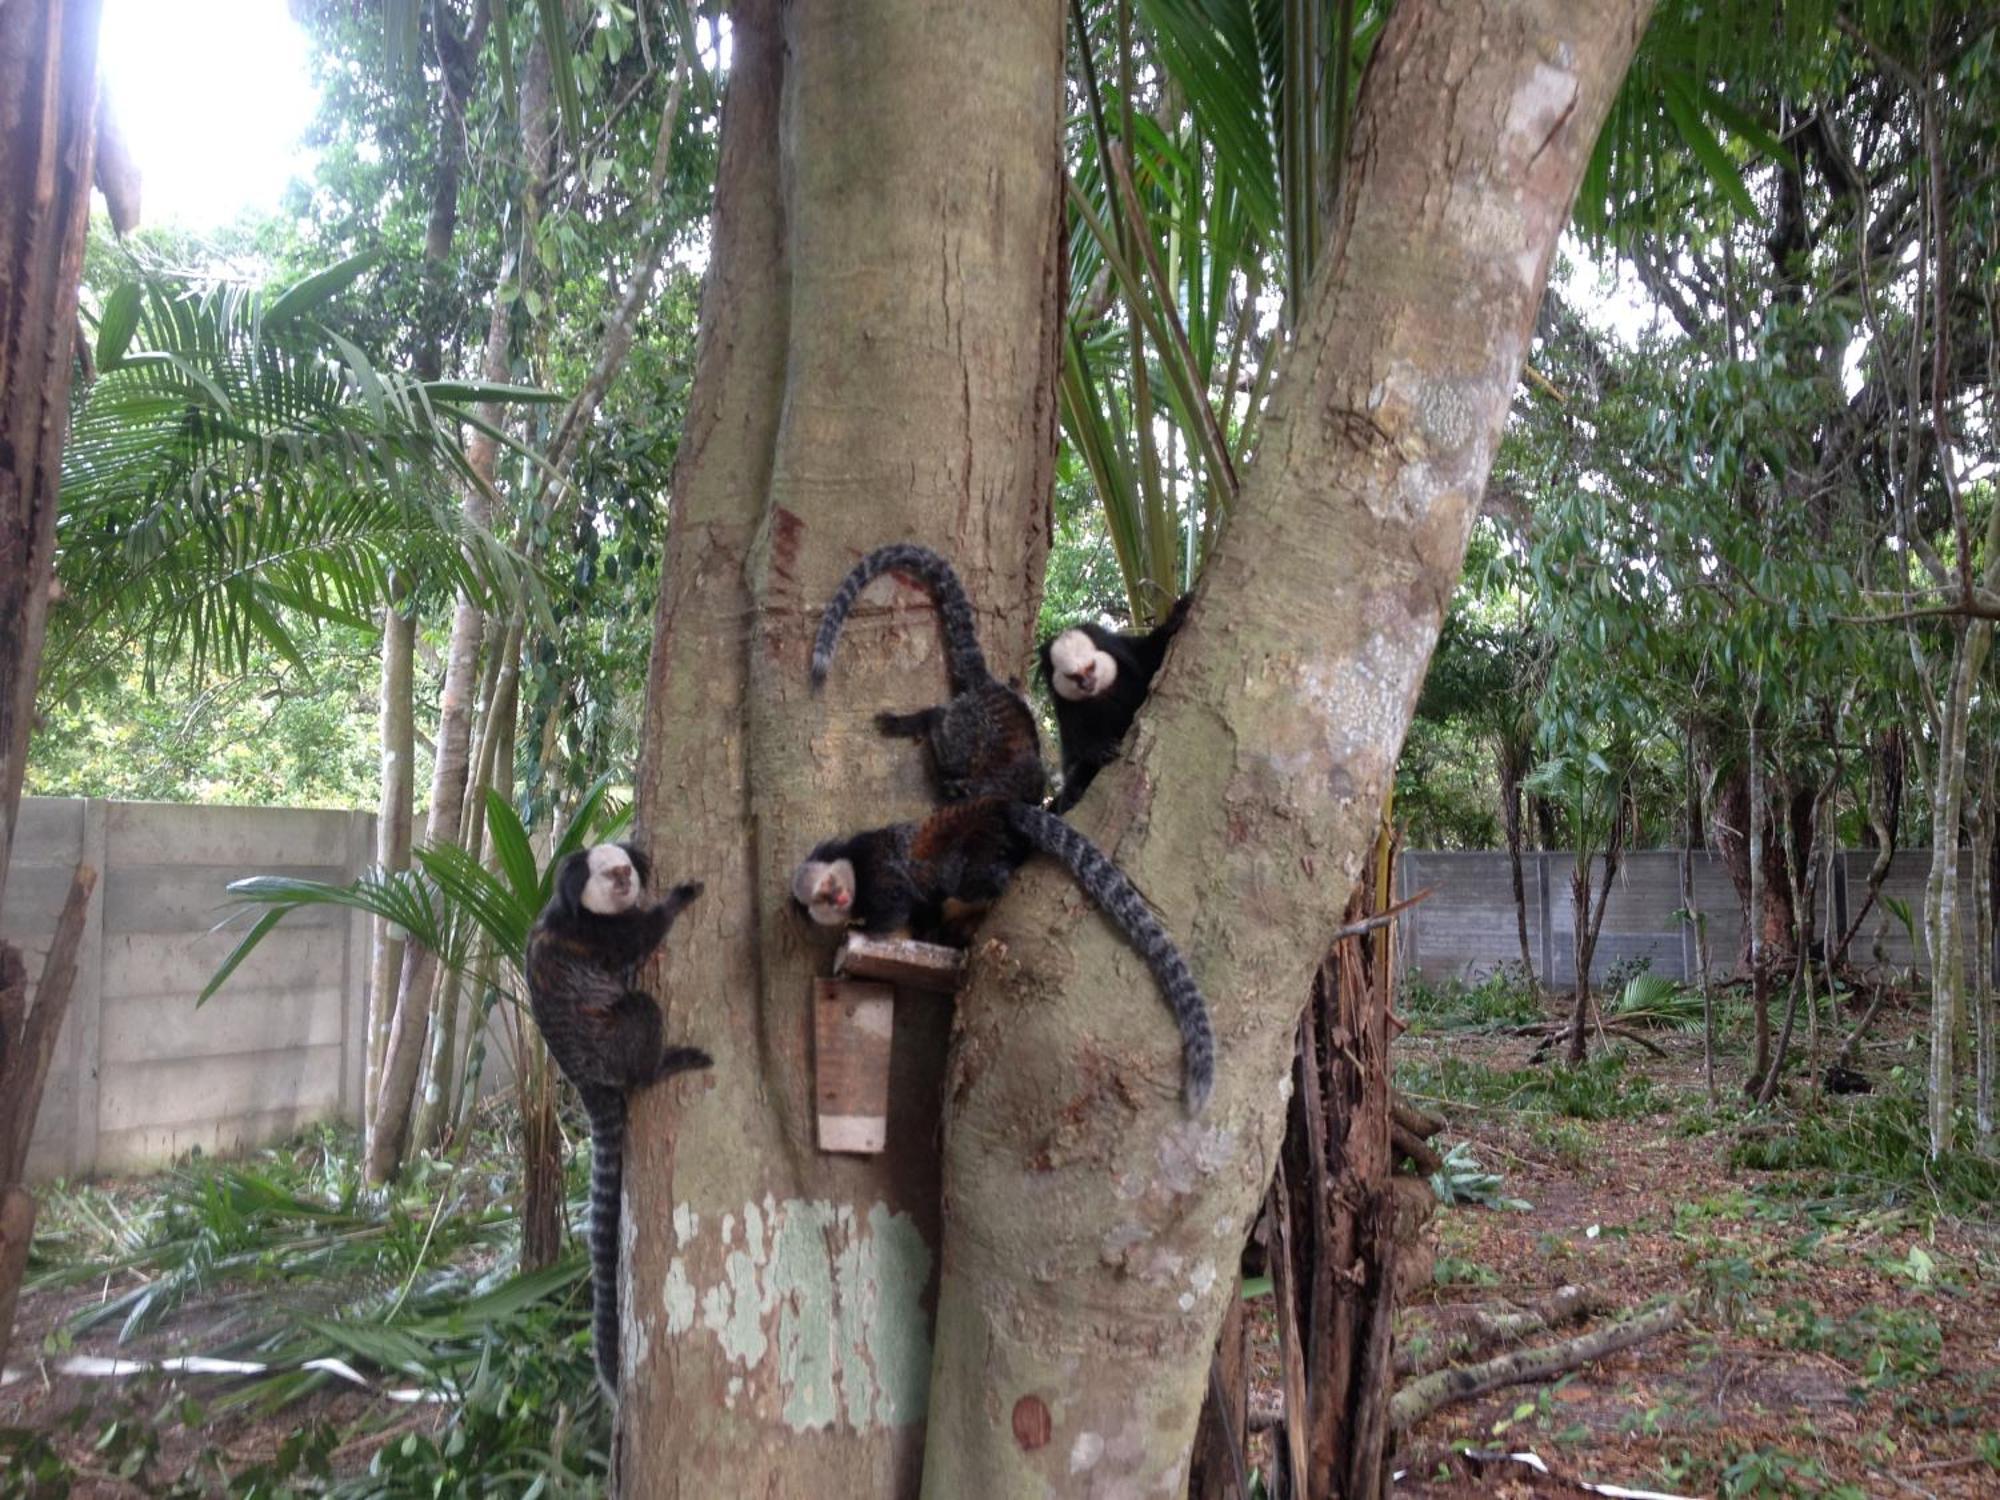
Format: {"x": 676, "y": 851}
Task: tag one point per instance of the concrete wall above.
{"x": 140, "y": 1075}
{"x": 1467, "y": 927}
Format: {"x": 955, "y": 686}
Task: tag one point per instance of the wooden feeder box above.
{"x": 854, "y": 1020}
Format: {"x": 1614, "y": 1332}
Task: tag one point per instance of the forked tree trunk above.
{"x": 878, "y": 361}
{"x": 1087, "y": 1220}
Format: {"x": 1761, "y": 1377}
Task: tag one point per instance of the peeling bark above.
{"x": 48, "y": 113}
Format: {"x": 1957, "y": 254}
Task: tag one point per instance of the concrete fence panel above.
{"x": 142, "y": 1076}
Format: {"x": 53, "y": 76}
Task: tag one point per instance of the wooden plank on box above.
{"x": 852, "y": 1027}
{"x": 903, "y": 962}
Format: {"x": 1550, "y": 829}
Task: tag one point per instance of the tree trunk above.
{"x": 878, "y": 361}
{"x": 392, "y": 829}
{"x": 1982, "y": 819}
{"x": 457, "y": 56}
{"x": 389, "y": 1127}
{"x": 48, "y": 113}
{"x": 1217, "y": 1469}
{"x": 1944, "y": 924}
{"x": 1768, "y": 891}
{"x": 27, "y": 1045}
{"x": 1088, "y": 1223}
{"x": 1754, "y": 927}
{"x": 1510, "y": 812}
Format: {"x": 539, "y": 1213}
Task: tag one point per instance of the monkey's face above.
{"x": 1078, "y": 669}
{"x": 613, "y": 886}
{"x": 824, "y": 889}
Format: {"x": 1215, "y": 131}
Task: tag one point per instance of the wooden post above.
{"x": 903, "y": 962}
{"x": 852, "y": 1026}
{"x": 854, "y": 1023}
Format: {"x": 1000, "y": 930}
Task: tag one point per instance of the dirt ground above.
{"x": 1834, "y": 1348}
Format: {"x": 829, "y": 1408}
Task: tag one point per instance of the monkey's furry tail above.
{"x": 606, "y": 1108}
{"x": 1106, "y": 884}
{"x": 967, "y": 661}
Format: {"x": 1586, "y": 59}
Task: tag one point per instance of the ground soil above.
{"x": 1809, "y": 1341}
{"x": 1801, "y": 1311}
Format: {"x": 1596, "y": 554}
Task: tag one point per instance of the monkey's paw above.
{"x": 684, "y": 893}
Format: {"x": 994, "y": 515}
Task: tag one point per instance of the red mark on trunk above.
{"x": 1032, "y": 1423}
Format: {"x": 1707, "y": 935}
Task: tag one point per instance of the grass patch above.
{"x": 1501, "y": 999}
{"x": 1875, "y": 1147}
{"x": 1603, "y": 1088}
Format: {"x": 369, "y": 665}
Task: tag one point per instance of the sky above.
{"x": 212, "y": 97}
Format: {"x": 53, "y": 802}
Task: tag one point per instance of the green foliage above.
{"x": 1501, "y": 999}
{"x": 1871, "y": 1147}
{"x": 1655, "y": 1000}
{"x": 270, "y": 735}
{"x": 418, "y": 1286}
{"x": 1600, "y": 1089}
{"x": 448, "y": 903}
{"x": 1772, "y": 1471}
{"x": 237, "y": 465}
{"x": 1462, "y": 1180}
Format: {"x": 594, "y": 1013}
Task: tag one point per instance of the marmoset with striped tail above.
{"x": 605, "y": 1035}
{"x": 922, "y": 878}
{"x": 983, "y": 742}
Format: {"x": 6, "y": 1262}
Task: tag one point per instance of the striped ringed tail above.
{"x": 606, "y": 1108}
{"x": 967, "y": 661}
{"x": 1120, "y": 900}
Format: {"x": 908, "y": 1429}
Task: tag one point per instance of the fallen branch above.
{"x": 1557, "y": 1032}
{"x": 1427, "y": 1159}
{"x": 1420, "y": 1123}
{"x": 1481, "y": 1330}
{"x": 1427, "y": 1394}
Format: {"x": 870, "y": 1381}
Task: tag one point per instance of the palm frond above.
{"x": 238, "y": 465}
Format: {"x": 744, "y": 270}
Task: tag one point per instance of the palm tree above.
{"x": 238, "y": 469}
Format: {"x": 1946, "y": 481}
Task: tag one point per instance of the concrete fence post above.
{"x": 85, "y": 1020}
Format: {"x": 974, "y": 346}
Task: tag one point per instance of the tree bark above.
{"x": 1421, "y": 1397}
{"x": 877, "y": 361}
{"x": 1217, "y": 1471}
{"x": 27, "y": 1045}
{"x": 392, "y": 829}
{"x": 457, "y": 57}
{"x": 1510, "y": 812}
{"x": 48, "y": 137}
{"x": 1088, "y": 1224}
{"x": 1945, "y": 926}
{"x": 48, "y": 113}
{"x": 1983, "y": 1017}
